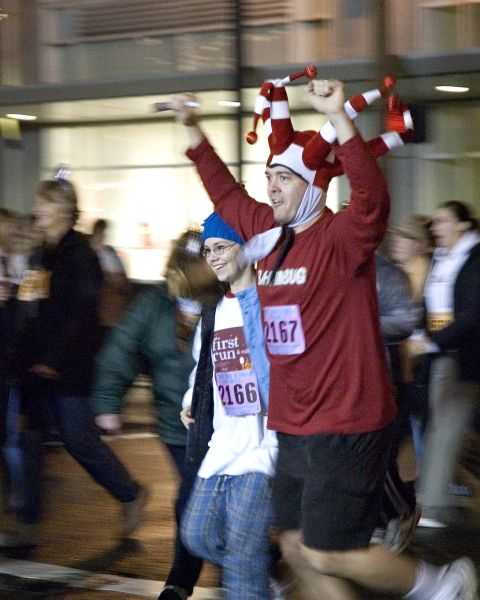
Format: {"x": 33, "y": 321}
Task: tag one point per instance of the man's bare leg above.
{"x": 312, "y": 583}
{"x": 375, "y": 568}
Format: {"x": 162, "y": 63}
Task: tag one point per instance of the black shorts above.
{"x": 330, "y": 487}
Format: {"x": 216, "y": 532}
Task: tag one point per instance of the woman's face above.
{"x": 402, "y": 249}
{"x": 447, "y": 229}
{"x": 49, "y": 216}
{"x": 7, "y": 231}
{"x": 221, "y": 256}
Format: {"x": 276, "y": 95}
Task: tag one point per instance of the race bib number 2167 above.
{"x": 283, "y": 329}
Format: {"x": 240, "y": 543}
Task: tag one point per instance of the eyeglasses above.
{"x": 218, "y": 250}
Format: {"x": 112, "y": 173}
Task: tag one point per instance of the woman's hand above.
{"x": 419, "y": 346}
{"x": 186, "y": 417}
{"x": 185, "y": 112}
{"x": 45, "y": 372}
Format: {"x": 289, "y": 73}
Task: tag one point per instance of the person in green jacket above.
{"x": 155, "y": 338}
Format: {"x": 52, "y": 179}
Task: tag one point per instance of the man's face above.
{"x": 285, "y": 191}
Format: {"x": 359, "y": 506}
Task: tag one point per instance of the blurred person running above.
{"x": 452, "y": 341}
{"x": 155, "y": 338}
{"x": 7, "y": 287}
{"x": 54, "y": 340}
{"x": 399, "y": 315}
{"x": 19, "y": 237}
{"x": 116, "y": 291}
{"x": 409, "y": 243}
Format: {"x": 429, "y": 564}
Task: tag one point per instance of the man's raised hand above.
{"x": 326, "y": 95}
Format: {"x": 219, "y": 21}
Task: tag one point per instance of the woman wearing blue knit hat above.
{"x": 229, "y": 514}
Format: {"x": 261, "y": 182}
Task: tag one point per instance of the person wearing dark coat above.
{"x": 452, "y": 341}
{"x": 51, "y": 355}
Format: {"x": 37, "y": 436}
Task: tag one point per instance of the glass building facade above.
{"x": 90, "y": 70}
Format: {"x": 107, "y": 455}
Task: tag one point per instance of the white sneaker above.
{"x": 458, "y": 582}
{"x": 431, "y": 523}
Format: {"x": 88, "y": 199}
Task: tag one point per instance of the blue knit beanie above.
{"x": 213, "y": 226}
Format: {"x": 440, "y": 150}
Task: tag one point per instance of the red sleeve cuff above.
{"x": 193, "y": 153}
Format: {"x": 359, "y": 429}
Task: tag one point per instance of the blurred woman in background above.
{"x": 452, "y": 300}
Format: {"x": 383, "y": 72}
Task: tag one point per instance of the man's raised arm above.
{"x": 229, "y": 197}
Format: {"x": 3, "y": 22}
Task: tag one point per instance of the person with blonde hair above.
{"x": 408, "y": 248}
{"x": 54, "y": 341}
{"x": 155, "y": 337}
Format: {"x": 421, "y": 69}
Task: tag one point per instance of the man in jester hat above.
{"x": 330, "y": 396}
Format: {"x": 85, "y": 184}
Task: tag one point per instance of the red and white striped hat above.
{"x": 306, "y": 153}
{"x": 303, "y": 152}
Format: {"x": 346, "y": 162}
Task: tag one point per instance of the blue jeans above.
{"x": 74, "y": 419}
{"x": 227, "y": 522}
{"x": 76, "y": 426}
{"x": 20, "y": 452}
